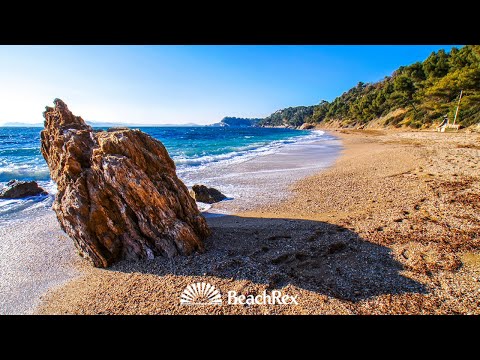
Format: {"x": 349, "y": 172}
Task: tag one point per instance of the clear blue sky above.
{"x": 180, "y": 84}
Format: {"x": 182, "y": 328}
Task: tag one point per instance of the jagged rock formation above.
{"x": 118, "y": 194}
{"x": 15, "y": 189}
{"x": 206, "y": 195}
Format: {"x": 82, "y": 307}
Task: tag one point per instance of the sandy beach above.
{"x": 391, "y": 227}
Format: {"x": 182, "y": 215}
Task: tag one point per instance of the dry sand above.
{"x": 392, "y": 228}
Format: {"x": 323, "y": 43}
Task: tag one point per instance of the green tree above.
{"x": 424, "y": 91}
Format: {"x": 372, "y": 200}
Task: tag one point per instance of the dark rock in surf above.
{"x": 20, "y": 189}
{"x": 205, "y": 194}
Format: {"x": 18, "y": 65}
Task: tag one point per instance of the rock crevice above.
{"x": 118, "y": 193}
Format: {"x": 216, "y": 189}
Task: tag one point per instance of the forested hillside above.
{"x": 238, "y": 122}
{"x": 292, "y": 116}
{"x": 417, "y": 96}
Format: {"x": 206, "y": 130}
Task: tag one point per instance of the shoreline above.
{"x": 266, "y": 179}
{"x": 388, "y": 229}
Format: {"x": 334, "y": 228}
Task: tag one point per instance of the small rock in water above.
{"x": 19, "y": 189}
{"x": 206, "y": 195}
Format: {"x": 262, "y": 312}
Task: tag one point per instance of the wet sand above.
{"x": 35, "y": 255}
{"x": 391, "y": 228}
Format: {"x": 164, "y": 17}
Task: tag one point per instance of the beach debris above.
{"x": 118, "y": 193}
{"x": 16, "y": 189}
{"x": 205, "y": 194}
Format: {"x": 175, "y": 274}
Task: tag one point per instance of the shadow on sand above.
{"x": 316, "y": 256}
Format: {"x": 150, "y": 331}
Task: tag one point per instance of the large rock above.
{"x": 205, "y": 194}
{"x": 118, "y": 194}
{"x": 19, "y": 189}
{"x": 306, "y": 126}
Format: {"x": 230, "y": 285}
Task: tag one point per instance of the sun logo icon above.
{"x": 201, "y": 293}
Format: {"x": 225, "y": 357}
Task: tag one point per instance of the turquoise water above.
{"x": 197, "y": 151}
{"x": 20, "y": 156}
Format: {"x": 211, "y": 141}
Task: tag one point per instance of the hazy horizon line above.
{"x": 41, "y": 124}
{"x": 37, "y": 124}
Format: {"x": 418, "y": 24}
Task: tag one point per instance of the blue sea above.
{"x": 192, "y": 148}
